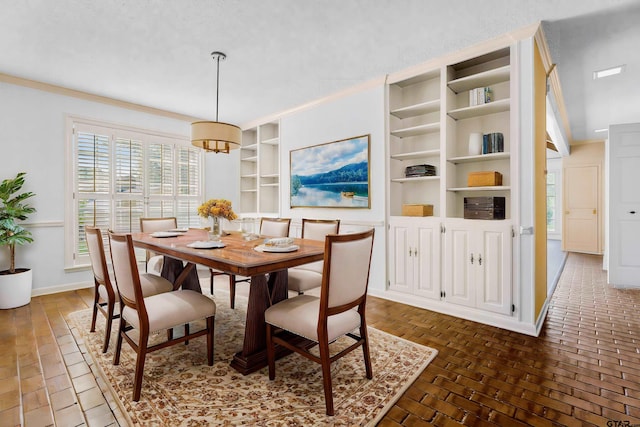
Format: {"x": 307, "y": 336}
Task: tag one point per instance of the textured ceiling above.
{"x": 284, "y": 53}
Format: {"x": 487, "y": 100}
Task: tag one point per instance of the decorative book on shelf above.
{"x": 420, "y": 170}
{"x": 492, "y": 143}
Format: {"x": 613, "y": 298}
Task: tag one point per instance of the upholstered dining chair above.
{"x": 105, "y": 294}
{"x": 338, "y": 311}
{"x": 275, "y": 227}
{"x": 309, "y": 276}
{"x": 154, "y": 313}
{"x": 270, "y": 227}
{"x": 153, "y": 262}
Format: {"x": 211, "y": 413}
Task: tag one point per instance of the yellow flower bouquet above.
{"x": 217, "y": 208}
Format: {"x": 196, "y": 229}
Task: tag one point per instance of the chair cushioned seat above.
{"x": 154, "y": 265}
{"x": 302, "y": 279}
{"x": 169, "y": 309}
{"x": 153, "y": 285}
{"x": 300, "y": 316}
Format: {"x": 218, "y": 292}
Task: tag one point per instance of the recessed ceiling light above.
{"x": 601, "y": 130}
{"x": 608, "y": 72}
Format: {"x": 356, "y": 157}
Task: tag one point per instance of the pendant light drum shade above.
{"x": 215, "y": 136}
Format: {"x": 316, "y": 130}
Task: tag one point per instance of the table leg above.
{"x": 185, "y": 276}
{"x": 262, "y": 294}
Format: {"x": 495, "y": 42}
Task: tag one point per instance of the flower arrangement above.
{"x": 220, "y": 208}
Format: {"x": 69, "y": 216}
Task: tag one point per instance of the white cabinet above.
{"x": 260, "y": 170}
{"x": 415, "y": 251}
{"x": 478, "y": 264}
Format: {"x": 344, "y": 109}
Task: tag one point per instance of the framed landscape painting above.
{"x": 331, "y": 175}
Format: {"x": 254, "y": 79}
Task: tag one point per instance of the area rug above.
{"x": 179, "y": 389}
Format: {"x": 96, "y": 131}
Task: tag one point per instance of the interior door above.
{"x": 624, "y": 205}
{"x": 581, "y": 216}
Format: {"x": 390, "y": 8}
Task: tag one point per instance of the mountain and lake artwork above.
{"x": 335, "y": 174}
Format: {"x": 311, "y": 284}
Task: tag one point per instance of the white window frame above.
{"x": 73, "y": 260}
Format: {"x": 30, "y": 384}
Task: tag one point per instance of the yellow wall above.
{"x": 540, "y": 166}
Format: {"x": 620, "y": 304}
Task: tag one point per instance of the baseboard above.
{"x": 61, "y": 288}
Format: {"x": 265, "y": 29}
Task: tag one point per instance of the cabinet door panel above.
{"x": 401, "y": 265}
{"x": 494, "y": 273}
{"x": 427, "y": 270}
{"x": 458, "y": 267}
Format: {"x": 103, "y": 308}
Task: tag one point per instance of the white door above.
{"x": 427, "y": 259}
{"x": 624, "y": 205}
{"x": 400, "y": 258}
{"x": 581, "y": 216}
{"x": 459, "y": 264}
{"x": 494, "y": 264}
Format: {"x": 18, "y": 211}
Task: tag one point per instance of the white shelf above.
{"x": 487, "y": 188}
{"x": 251, "y": 175}
{"x": 486, "y": 78}
{"x": 417, "y": 109}
{"x": 416, "y": 178}
{"x": 270, "y": 185}
{"x": 481, "y": 110}
{"x": 250, "y": 190}
{"x": 272, "y": 141}
{"x": 480, "y": 158}
{"x": 416, "y": 130}
{"x": 270, "y": 175}
{"x": 416, "y": 155}
{"x": 251, "y": 147}
{"x": 250, "y": 159}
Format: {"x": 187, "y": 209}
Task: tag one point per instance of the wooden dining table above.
{"x": 267, "y": 272}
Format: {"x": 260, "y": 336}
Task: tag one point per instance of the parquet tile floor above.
{"x": 583, "y": 369}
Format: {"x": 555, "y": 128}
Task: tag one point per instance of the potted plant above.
{"x": 15, "y": 283}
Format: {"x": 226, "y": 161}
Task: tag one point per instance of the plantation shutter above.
{"x": 161, "y": 180}
{"x": 121, "y": 175}
{"x": 189, "y": 183}
{"x": 93, "y": 195}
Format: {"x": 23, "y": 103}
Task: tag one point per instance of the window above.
{"x": 121, "y": 174}
{"x": 552, "y": 200}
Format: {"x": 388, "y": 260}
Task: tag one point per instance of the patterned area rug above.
{"x": 179, "y": 389}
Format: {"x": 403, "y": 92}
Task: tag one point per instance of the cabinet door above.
{"x": 458, "y": 265}
{"x": 427, "y": 261}
{"x": 400, "y": 258}
{"x": 493, "y": 265}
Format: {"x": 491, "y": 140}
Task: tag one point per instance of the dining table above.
{"x": 235, "y": 254}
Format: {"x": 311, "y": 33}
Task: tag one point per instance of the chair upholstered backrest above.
{"x": 125, "y": 269}
{"x": 150, "y": 225}
{"x": 95, "y": 244}
{"x": 317, "y": 229}
{"x": 347, "y": 261}
{"x": 275, "y": 227}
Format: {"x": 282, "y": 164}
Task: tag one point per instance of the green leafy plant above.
{"x": 14, "y": 208}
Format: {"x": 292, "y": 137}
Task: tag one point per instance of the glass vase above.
{"x": 215, "y": 232}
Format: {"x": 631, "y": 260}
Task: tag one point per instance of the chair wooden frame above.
{"x": 325, "y": 359}
{"x": 101, "y": 278}
{"x": 307, "y": 222}
{"x": 138, "y": 304}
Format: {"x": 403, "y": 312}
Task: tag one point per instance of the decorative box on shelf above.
{"x": 484, "y": 179}
{"x": 417, "y": 210}
{"x": 484, "y": 208}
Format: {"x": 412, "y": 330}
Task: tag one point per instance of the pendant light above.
{"x": 216, "y": 136}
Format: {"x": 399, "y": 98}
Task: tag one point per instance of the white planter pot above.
{"x": 15, "y": 289}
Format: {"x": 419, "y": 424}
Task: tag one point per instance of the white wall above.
{"x": 355, "y": 114}
{"x": 32, "y": 140}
